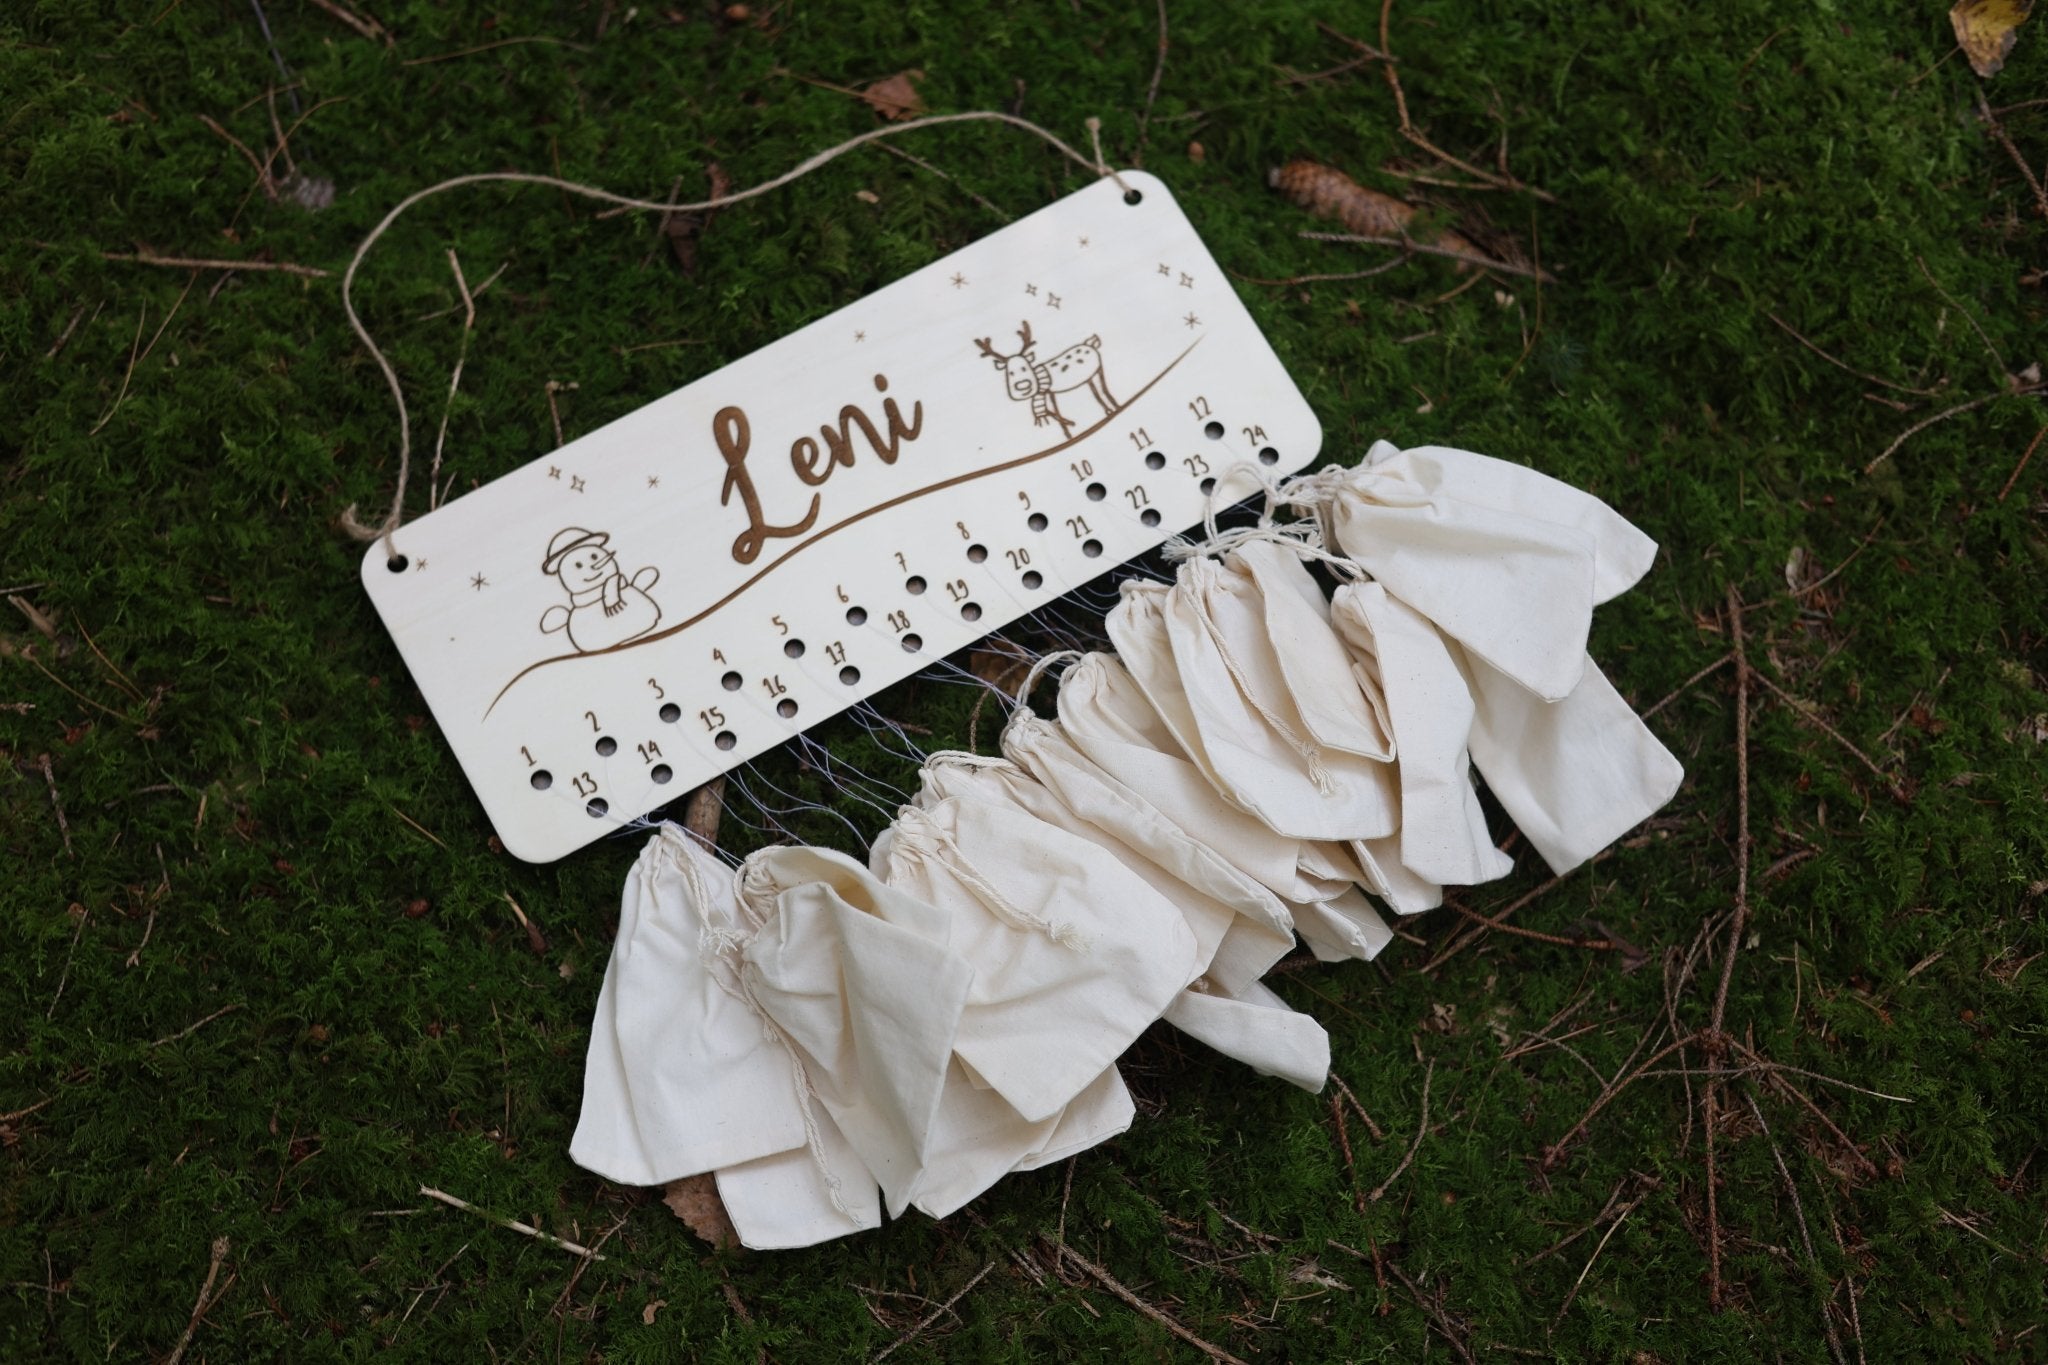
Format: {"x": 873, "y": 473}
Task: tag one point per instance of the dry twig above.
{"x": 1910, "y": 432}
{"x": 219, "y": 1254}
{"x": 1158, "y": 1315}
{"x": 933, "y": 1316}
{"x": 454, "y": 1203}
{"x": 1421, "y": 1131}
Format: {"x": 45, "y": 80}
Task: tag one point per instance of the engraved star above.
{"x": 576, "y": 483}
{"x": 1084, "y": 243}
{"x": 419, "y": 564}
{"x": 860, "y": 336}
{"x": 959, "y": 280}
{"x": 1031, "y": 289}
{"x": 1165, "y": 271}
{"x": 479, "y": 582}
{"x": 554, "y": 473}
{"x": 653, "y": 481}
{"x": 1192, "y": 321}
{"x": 1052, "y": 300}
{"x": 1187, "y": 281}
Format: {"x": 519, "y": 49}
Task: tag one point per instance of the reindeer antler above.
{"x": 1024, "y": 335}
{"x": 987, "y": 349}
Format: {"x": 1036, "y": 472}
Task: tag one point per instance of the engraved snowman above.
{"x": 606, "y": 608}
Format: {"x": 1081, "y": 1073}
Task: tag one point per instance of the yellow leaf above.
{"x": 1987, "y": 30}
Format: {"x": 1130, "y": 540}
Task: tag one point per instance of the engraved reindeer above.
{"x": 1025, "y": 376}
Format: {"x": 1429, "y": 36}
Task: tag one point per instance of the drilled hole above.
{"x": 397, "y": 563}
{"x": 1208, "y": 487}
{"x": 730, "y": 682}
{"x": 597, "y": 807}
{"x": 725, "y": 739}
{"x": 1150, "y": 516}
{"x": 856, "y": 616}
{"x": 606, "y": 746}
{"x": 970, "y": 611}
{"x": 1036, "y": 521}
{"x": 1268, "y": 455}
{"x": 1091, "y": 548}
{"x": 661, "y": 773}
{"x": 1154, "y": 460}
{"x": 850, "y": 676}
{"x": 1134, "y": 197}
{"x": 913, "y": 585}
{"x": 1032, "y": 578}
{"x": 1214, "y": 431}
{"x": 912, "y": 643}
{"x": 793, "y": 648}
{"x": 977, "y": 553}
{"x": 541, "y": 779}
{"x": 670, "y": 712}
{"x": 1096, "y": 492}
{"x": 785, "y": 708}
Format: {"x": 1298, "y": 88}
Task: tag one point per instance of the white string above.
{"x": 923, "y": 838}
{"x": 1038, "y": 670}
{"x": 1197, "y": 596}
{"x": 396, "y": 515}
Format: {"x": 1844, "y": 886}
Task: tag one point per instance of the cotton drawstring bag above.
{"x": 1428, "y": 703}
{"x": 684, "y": 1076}
{"x": 1574, "y": 775}
{"x": 1199, "y": 652}
{"x": 1506, "y": 561}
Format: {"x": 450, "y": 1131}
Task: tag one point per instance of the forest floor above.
{"x": 263, "y": 975}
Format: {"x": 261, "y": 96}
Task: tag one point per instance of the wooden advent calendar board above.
{"x": 669, "y": 596}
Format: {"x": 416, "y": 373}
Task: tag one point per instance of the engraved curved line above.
{"x": 814, "y": 538}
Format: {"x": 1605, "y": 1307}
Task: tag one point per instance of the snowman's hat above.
{"x": 567, "y": 542}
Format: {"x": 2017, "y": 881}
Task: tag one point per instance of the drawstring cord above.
{"x": 920, "y": 837}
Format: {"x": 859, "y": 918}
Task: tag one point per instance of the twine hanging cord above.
{"x": 396, "y": 515}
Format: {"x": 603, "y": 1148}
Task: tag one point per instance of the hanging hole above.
{"x": 1208, "y": 487}
{"x": 541, "y": 779}
{"x": 1134, "y": 197}
{"x": 912, "y": 643}
{"x": 731, "y": 681}
{"x": 1032, "y": 578}
{"x": 1214, "y": 431}
{"x": 670, "y": 712}
{"x": 1150, "y": 516}
{"x": 913, "y": 585}
{"x": 977, "y": 553}
{"x": 1036, "y": 521}
{"x": 1091, "y": 548}
{"x": 606, "y": 746}
{"x": 856, "y": 616}
{"x": 1096, "y": 492}
{"x": 785, "y": 708}
{"x": 397, "y": 563}
{"x": 1154, "y": 460}
{"x": 970, "y": 611}
{"x": 850, "y": 676}
{"x": 793, "y": 648}
{"x": 1268, "y": 455}
{"x": 597, "y": 807}
{"x": 661, "y": 773}
{"x": 725, "y": 739}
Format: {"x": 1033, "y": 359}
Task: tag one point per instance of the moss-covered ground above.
{"x": 260, "y": 981}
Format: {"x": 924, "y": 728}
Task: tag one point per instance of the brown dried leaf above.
{"x": 1000, "y": 671}
{"x": 694, "y": 1199}
{"x": 653, "y": 1306}
{"x": 1987, "y": 29}
{"x": 896, "y": 97}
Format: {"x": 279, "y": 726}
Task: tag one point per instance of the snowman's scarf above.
{"x": 611, "y": 594}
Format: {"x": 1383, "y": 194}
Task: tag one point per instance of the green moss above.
{"x": 1712, "y": 165}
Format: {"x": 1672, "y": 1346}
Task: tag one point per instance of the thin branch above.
{"x": 550, "y": 1239}
{"x": 1421, "y": 1129}
{"x": 1910, "y": 432}
{"x": 1409, "y": 244}
{"x": 1866, "y": 378}
{"x": 491, "y": 47}
{"x": 2005, "y": 141}
{"x": 455, "y": 375}
{"x": 2021, "y": 468}
{"x": 199, "y": 1307}
{"x": 1804, "y": 710}
{"x": 933, "y": 1316}
{"x": 188, "y": 263}
{"x": 1152, "y": 92}
{"x": 1110, "y": 1282}
{"x": 1689, "y": 683}
{"x": 191, "y": 1029}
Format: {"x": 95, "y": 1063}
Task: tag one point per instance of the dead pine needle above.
{"x": 534, "y": 939}
{"x": 1715, "y": 1031}
{"x": 454, "y": 376}
{"x": 512, "y": 1224}
{"x": 1910, "y": 432}
{"x": 2021, "y": 467}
